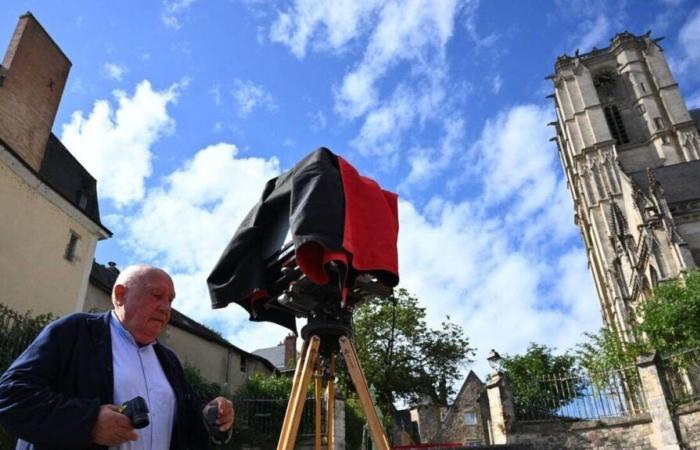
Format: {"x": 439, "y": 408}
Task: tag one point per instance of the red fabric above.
{"x": 312, "y": 258}
{"x": 371, "y": 222}
{"x": 370, "y": 230}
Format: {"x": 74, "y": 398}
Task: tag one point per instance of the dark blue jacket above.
{"x": 52, "y": 393}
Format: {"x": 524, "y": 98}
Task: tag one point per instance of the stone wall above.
{"x": 688, "y": 422}
{"x": 661, "y": 427}
{"x": 623, "y": 433}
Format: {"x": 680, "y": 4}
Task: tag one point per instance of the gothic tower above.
{"x": 631, "y": 154}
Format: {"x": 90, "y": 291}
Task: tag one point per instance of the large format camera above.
{"x": 321, "y": 239}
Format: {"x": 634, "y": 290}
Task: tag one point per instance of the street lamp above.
{"x": 495, "y": 360}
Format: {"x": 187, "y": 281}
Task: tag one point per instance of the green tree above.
{"x": 669, "y": 322}
{"x": 402, "y": 357}
{"x": 529, "y": 375}
{"x": 671, "y": 317}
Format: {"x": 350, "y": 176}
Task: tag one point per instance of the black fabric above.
{"x": 308, "y": 201}
{"x": 52, "y": 393}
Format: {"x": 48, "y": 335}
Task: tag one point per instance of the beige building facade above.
{"x": 50, "y": 222}
{"x": 631, "y": 154}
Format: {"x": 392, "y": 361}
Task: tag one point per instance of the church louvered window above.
{"x": 617, "y": 128}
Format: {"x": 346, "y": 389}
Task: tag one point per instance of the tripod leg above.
{"x": 286, "y": 424}
{"x": 330, "y": 398}
{"x": 317, "y": 414}
{"x": 302, "y": 376}
{"x": 358, "y": 379}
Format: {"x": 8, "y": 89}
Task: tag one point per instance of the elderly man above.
{"x": 63, "y": 392}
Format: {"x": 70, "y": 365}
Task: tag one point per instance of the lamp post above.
{"x": 495, "y": 361}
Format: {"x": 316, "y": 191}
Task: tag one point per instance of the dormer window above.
{"x": 82, "y": 200}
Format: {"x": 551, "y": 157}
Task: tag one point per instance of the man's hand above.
{"x": 112, "y": 428}
{"x": 225, "y": 409}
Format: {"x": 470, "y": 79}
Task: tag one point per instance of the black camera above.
{"x": 212, "y": 416}
{"x": 137, "y": 411}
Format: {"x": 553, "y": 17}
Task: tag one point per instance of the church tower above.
{"x": 631, "y": 154}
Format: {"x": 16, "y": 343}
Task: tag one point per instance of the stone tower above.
{"x": 631, "y": 154}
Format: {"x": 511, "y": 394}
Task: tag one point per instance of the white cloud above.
{"x": 389, "y": 33}
{"x": 427, "y": 163}
{"x": 113, "y": 71}
{"x": 517, "y": 158}
{"x": 689, "y": 42}
{"x": 414, "y": 31}
{"x": 408, "y": 108}
{"x": 463, "y": 263}
{"x": 172, "y": 12}
{"x": 249, "y": 96}
{"x": 383, "y": 128}
{"x": 597, "y": 34}
{"x": 186, "y": 222}
{"x": 506, "y": 265}
{"x": 332, "y": 23}
{"x": 114, "y": 144}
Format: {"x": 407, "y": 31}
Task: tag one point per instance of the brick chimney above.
{"x": 32, "y": 78}
{"x": 290, "y": 351}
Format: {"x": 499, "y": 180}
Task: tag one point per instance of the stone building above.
{"x": 50, "y": 220}
{"x": 630, "y": 151}
{"x": 465, "y": 421}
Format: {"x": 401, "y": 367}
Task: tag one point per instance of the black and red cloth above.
{"x": 331, "y": 212}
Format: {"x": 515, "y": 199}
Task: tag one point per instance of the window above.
{"x": 470, "y": 418}
{"x": 658, "y": 122}
{"x": 242, "y": 363}
{"x": 641, "y": 108}
{"x": 644, "y": 88}
{"x": 72, "y": 247}
{"x": 665, "y": 139}
{"x": 617, "y": 128}
{"x": 82, "y": 200}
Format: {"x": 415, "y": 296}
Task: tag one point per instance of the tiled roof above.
{"x": 273, "y": 354}
{"x": 62, "y": 172}
{"x": 680, "y": 182}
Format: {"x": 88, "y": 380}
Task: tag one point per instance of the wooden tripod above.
{"x": 313, "y": 363}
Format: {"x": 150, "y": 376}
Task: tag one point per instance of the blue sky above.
{"x": 183, "y": 109}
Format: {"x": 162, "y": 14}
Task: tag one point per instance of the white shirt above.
{"x": 137, "y": 371}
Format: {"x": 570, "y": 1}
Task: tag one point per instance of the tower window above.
{"x": 72, "y": 247}
{"x": 658, "y": 122}
{"x": 242, "y": 363}
{"x": 641, "y": 85}
{"x": 617, "y": 128}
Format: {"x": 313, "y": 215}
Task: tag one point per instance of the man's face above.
{"x": 144, "y": 307}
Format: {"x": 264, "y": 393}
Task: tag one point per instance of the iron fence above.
{"x": 681, "y": 373}
{"x": 582, "y": 396}
{"x": 264, "y": 416}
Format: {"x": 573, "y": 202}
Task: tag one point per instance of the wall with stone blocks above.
{"x": 688, "y": 421}
{"x": 622, "y": 434}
